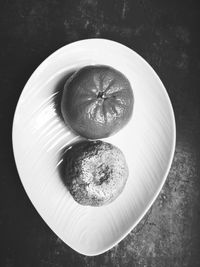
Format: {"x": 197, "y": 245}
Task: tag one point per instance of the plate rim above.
{"x": 157, "y": 192}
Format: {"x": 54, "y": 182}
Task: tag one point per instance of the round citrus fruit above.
{"x": 95, "y": 172}
{"x": 97, "y": 101}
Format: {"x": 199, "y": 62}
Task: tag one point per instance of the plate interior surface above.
{"x": 40, "y": 135}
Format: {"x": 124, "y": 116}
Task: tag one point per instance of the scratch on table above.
{"x": 124, "y": 8}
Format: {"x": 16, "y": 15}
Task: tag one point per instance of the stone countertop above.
{"x": 166, "y": 34}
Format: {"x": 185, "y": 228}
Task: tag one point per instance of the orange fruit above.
{"x": 94, "y": 172}
{"x": 97, "y": 101}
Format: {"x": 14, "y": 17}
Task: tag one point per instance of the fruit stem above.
{"x": 100, "y": 95}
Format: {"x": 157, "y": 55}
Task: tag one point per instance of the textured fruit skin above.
{"x": 94, "y": 172}
{"x": 97, "y": 101}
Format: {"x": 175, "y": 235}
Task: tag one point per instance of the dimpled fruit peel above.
{"x": 97, "y": 101}
{"x": 94, "y": 172}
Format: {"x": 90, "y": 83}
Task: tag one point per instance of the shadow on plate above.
{"x": 66, "y": 161}
{"x": 58, "y": 94}
{"x": 62, "y": 161}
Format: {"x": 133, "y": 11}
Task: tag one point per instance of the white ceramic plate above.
{"x": 39, "y": 135}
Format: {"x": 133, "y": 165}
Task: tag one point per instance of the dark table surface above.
{"x": 166, "y": 34}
